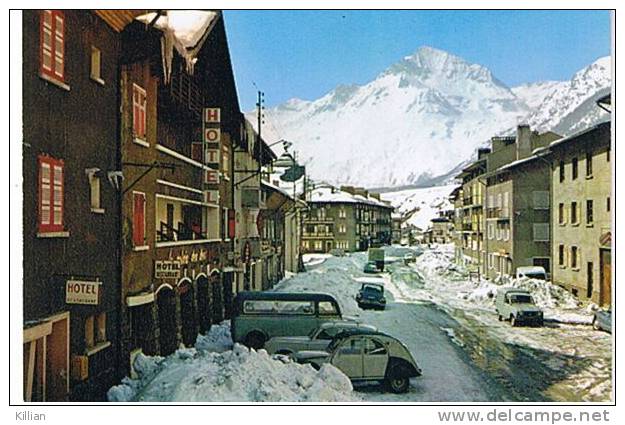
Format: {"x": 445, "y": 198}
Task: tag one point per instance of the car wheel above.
{"x": 513, "y": 321}
{"x": 284, "y": 352}
{"x": 398, "y": 384}
{"x": 255, "y": 340}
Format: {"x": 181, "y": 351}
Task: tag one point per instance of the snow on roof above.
{"x": 277, "y": 188}
{"x": 333, "y": 195}
{"x": 580, "y": 133}
{"x": 184, "y": 30}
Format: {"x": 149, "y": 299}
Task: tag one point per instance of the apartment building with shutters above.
{"x": 71, "y": 223}
{"x": 350, "y": 219}
{"x": 180, "y": 121}
{"x": 582, "y": 213}
{"x": 517, "y": 203}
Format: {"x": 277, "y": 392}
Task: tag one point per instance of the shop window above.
{"x": 51, "y": 192}
{"x": 52, "y": 28}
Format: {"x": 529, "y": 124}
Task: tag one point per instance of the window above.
{"x": 561, "y": 218}
{"x": 51, "y": 191}
{"x": 94, "y": 190}
{"x": 342, "y": 213}
{"x": 96, "y": 68}
{"x": 541, "y": 232}
{"x": 574, "y": 254}
{"x": 589, "y": 212}
{"x": 326, "y": 307}
{"x": 138, "y": 219}
{"x": 540, "y": 199}
{"x": 52, "y": 28}
{"x": 374, "y": 348}
{"x": 607, "y": 204}
{"x": 588, "y": 164}
{"x": 607, "y": 155}
{"x": 225, "y": 164}
{"x": 139, "y": 101}
{"x": 561, "y": 251}
{"x": 574, "y": 170}
{"x": 574, "y": 213}
{"x": 95, "y": 330}
{"x": 561, "y": 171}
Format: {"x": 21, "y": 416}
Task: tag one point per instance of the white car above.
{"x": 317, "y": 340}
{"x": 532, "y": 272}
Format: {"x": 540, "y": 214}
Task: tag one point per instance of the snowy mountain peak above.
{"x": 431, "y": 101}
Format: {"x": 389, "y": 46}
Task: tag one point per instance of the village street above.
{"x": 447, "y": 322}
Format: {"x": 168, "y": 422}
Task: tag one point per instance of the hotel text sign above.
{"x": 82, "y": 292}
{"x": 166, "y": 269}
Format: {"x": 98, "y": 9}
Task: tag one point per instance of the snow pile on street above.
{"x": 218, "y": 339}
{"x": 336, "y": 279}
{"x": 236, "y": 375}
{"x": 449, "y": 280}
{"x": 311, "y": 260}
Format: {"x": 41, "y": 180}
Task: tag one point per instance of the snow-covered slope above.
{"x": 418, "y": 119}
{"x": 419, "y": 206}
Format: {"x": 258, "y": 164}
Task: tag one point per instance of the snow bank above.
{"x": 212, "y": 373}
{"x": 559, "y": 305}
{"x": 336, "y": 279}
{"x": 314, "y": 259}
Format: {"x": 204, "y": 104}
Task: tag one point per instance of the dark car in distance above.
{"x": 371, "y": 295}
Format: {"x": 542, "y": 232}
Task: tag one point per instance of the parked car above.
{"x": 371, "y": 267}
{"x": 377, "y": 256}
{"x": 259, "y": 316}
{"x": 371, "y": 295}
{"x": 517, "y": 305}
{"x": 532, "y": 272}
{"x": 367, "y": 356}
{"x": 318, "y": 339}
{"x": 603, "y": 320}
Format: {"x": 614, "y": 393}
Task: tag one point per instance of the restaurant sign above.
{"x": 82, "y": 292}
{"x": 166, "y": 269}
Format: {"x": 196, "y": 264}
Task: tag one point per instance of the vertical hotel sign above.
{"x": 211, "y": 134}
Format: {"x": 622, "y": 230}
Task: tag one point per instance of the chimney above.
{"x": 348, "y": 189}
{"x": 482, "y": 152}
{"x": 375, "y": 195}
{"x": 523, "y": 141}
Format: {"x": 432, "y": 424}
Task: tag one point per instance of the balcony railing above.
{"x": 317, "y": 234}
{"x": 167, "y": 233}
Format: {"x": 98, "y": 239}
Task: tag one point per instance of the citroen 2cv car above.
{"x": 371, "y": 295}
{"x": 367, "y": 356}
{"x": 517, "y": 305}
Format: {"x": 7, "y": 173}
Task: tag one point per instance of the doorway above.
{"x": 166, "y": 303}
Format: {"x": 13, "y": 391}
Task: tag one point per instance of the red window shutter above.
{"x": 52, "y": 49}
{"x": 51, "y": 193}
{"x": 231, "y": 224}
{"x": 138, "y": 222}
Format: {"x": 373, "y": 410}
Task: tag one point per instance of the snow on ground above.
{"x": 216, "y": 371}
{"x": 566, "y": 345}
{"x": 421, "y": 205}
{"x": 314, "y": 259}
{"x": 335, "y": 278}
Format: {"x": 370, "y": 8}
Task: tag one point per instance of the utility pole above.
{"x": 260, "y": 117}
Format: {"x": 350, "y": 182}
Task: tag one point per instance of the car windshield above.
{"x": 372, "y": 290}
{"x": 521, "y": 299}
{"x": 536, "y": 275}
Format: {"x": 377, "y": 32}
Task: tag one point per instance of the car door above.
{"x": 375, "y": 358}
{"x": 348, "y": 357}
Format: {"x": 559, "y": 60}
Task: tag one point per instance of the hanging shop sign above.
{"x": 166, "y": 269}
{"x": 82, "y": 292}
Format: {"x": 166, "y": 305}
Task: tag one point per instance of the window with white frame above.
{"x": 96, "y": 66}
{"x": 52, "y": 29}
{"x": 94, "y": 190}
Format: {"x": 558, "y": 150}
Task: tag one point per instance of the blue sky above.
{"x": 305, "y": 54}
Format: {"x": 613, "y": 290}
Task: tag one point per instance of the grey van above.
{"x": 258, "y": 316}
{"x": 517, "y": 305}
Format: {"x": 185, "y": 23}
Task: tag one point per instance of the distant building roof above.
{"x": 331, "y": 194}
